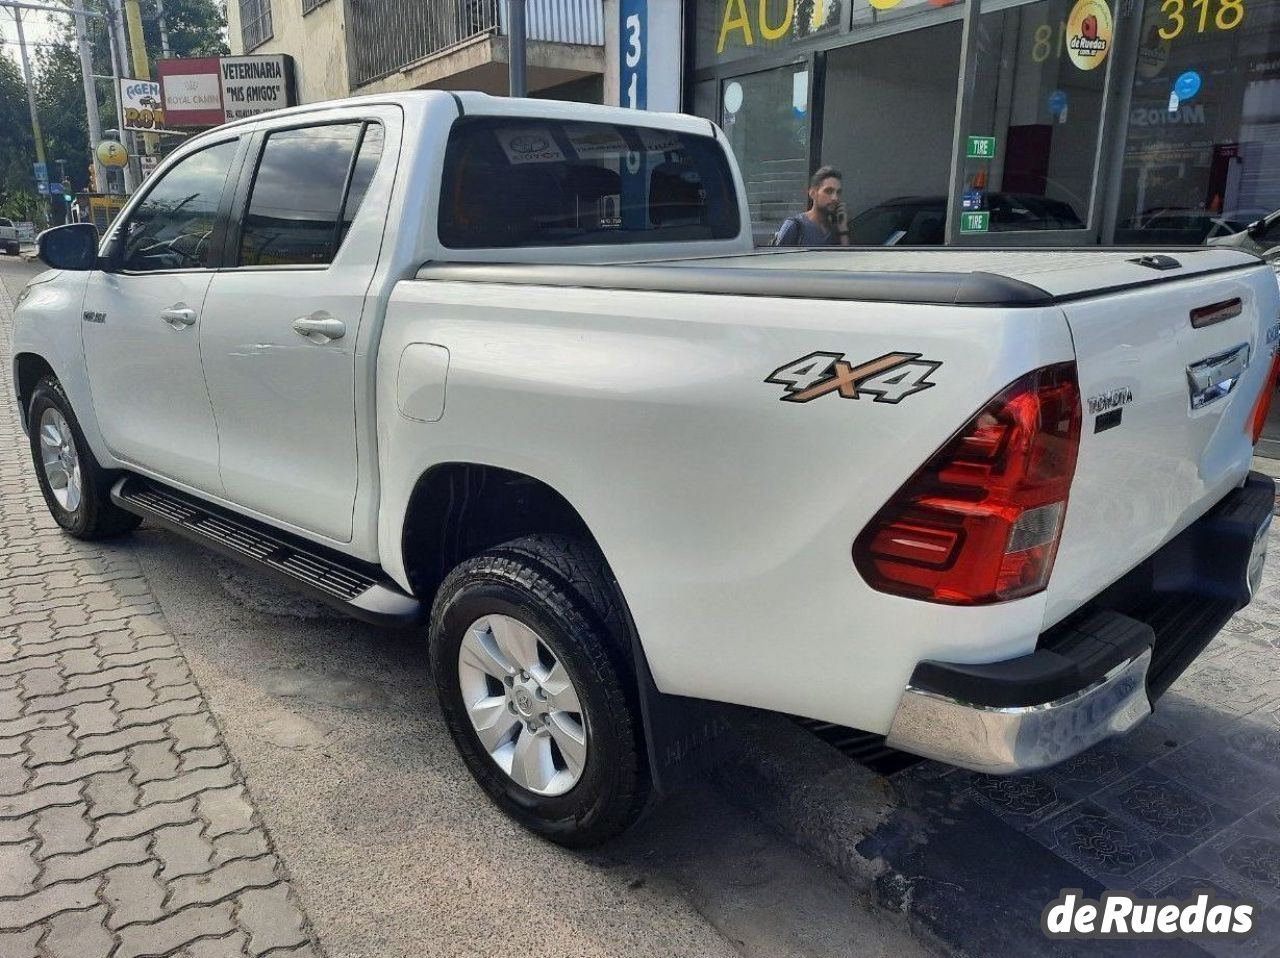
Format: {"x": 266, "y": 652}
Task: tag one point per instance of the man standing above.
{"x": 825, "y": 223}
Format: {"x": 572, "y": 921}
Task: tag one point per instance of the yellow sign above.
{"x": 884, "y": 4}
{"x": 1089, "y": 34}
{"x": 111, "y": 153}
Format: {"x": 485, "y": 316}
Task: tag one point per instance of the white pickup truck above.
{"x": 511, "y": 368}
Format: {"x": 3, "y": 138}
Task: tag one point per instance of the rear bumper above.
{"x": 1097, "y": 674}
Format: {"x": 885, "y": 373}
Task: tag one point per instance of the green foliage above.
{"x": 195, "y": 29}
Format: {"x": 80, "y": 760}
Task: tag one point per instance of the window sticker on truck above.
{"x": 890, "y": 378}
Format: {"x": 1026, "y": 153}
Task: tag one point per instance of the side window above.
{"x": 362, "y": 175}
{"x": 172, "y": 227}
{"x": 4, "y": 222}
{"x": 295, "y": 206}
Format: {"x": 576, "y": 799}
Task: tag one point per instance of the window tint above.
{"x": 297, "y": 195}
{"x": 362, "y": 175}
{"x": 517, "y": 182}
{"x": 4, "y": 222}
{"x": 172, "y": 227}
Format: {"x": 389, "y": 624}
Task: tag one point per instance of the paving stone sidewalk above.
{"x": 125, "y": 826}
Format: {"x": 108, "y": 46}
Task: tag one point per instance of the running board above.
{"x": 356, "y": 588}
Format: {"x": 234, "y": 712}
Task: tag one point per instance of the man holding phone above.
{"x": 826, "y": 222}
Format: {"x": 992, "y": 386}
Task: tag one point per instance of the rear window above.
{"x": 513, "y": 182}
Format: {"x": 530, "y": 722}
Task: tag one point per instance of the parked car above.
{"x": 509, "y": 372}
{"x": 1260, "y": 236}
{"x": 9, "y": 236}
{"x": 921, "y": 220}
{"x": 1184, "y": 227}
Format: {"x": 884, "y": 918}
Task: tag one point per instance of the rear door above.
{"x": 281, "y": 337}
{"x": 1169, "y": 375}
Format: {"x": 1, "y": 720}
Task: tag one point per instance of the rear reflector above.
{"x": 981, "y": 521}
{"x": 1217, "y": 313}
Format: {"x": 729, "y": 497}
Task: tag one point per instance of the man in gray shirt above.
{"x": 825, "y": 223}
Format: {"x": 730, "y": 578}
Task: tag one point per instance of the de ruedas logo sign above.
{"x": 141, "y": 105}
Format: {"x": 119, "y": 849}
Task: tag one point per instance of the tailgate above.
{"x": 1167, "y": 406}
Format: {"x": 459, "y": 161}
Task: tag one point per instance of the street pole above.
{"x": 164, "y": 29}
{"x": 141, "y": 67}
{"x": 516, "y": 33}
{"x": 90, "y": 101}
{"x": 115, "y": 35}
{"x": 31, "y": 96}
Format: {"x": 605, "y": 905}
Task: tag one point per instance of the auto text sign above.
{"x": 255, "y": 84}
{"x": 141, "y": 105}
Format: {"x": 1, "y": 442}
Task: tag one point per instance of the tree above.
{"x": 60, "y": 100}
{"x": 196, "y": 28}
{"x": 18, "y": 198}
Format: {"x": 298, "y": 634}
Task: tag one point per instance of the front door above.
{"x": 141, "y": 325}
{"x": 282, "y": 323}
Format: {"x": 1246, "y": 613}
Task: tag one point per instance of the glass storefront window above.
{"x": 1202, "y": 153}
{"x": 766, "y": 118}
{"x": 1036, "y": 111}
{"x": 888, "y": 125}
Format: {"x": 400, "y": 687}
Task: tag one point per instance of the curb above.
{"x": 826, "y": 803}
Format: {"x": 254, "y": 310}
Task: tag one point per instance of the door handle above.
{"x": 180, "y": 317}
{"x": 320, "y": 328}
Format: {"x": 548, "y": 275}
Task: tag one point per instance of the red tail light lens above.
{"x": 1262, "y": 408}
{"x": 980, "y": 522}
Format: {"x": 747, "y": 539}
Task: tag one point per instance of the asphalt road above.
{"x": 391, "y": 847}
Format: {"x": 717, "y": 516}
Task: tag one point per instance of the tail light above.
{"x": 980, "y": 522}
{"x": 1261, "y": 409}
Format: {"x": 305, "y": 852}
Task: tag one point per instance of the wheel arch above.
{"x": 28, "y": 369}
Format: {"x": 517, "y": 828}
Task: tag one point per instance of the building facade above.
{"x": 1009, "y": 122}
{"x": 346, "y": 47}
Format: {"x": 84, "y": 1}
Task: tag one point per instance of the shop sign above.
{"x": 141, "y": 105}
{"x": 729, "y": 30}
{"x": 253, "y": 85}
{"x": 191, "y": 91}
{"x": 980, "y": 148}
{"x": 208, "y": 91}
{"x": 1089, "y": 33}
{"x": 975, "y": 222}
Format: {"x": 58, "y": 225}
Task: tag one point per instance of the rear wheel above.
{"x": 530, "y": 656}
{"x": 76, "y": 489}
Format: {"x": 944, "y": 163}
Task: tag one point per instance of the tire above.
{"x": 91, "y": 514}
{"x": 560, "y": 589}
{"x": 12, "y": 249}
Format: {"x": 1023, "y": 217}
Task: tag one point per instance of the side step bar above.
{"x": 358, "y": 589}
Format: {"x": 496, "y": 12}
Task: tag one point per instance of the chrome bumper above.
{"x": 1001, "y": 741}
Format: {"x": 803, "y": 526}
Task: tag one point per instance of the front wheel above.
{"x": 530, "y": 658}
{"x": 76, "y": 489}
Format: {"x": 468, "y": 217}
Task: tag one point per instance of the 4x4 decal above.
{"x": 889, "y": 378}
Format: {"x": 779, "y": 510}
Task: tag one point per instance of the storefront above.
{"x": 1006, "y": 122}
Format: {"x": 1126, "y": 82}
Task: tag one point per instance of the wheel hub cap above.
{"x": 523, "y": 706}
{"x": 60, "y": 460}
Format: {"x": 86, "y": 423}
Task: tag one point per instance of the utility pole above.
{"x": 141, "y": 68}
{"x": 29, "y": 80}
{"x": 119, "y": 51}
{"x": 164, "y": 29}
{"x": 516, "y": 33}
{"x": 90, "y": 100}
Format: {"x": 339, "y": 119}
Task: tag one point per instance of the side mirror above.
{"x": 74, "y": 247}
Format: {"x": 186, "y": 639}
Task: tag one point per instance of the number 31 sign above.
{"x": 633, "y": 21}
